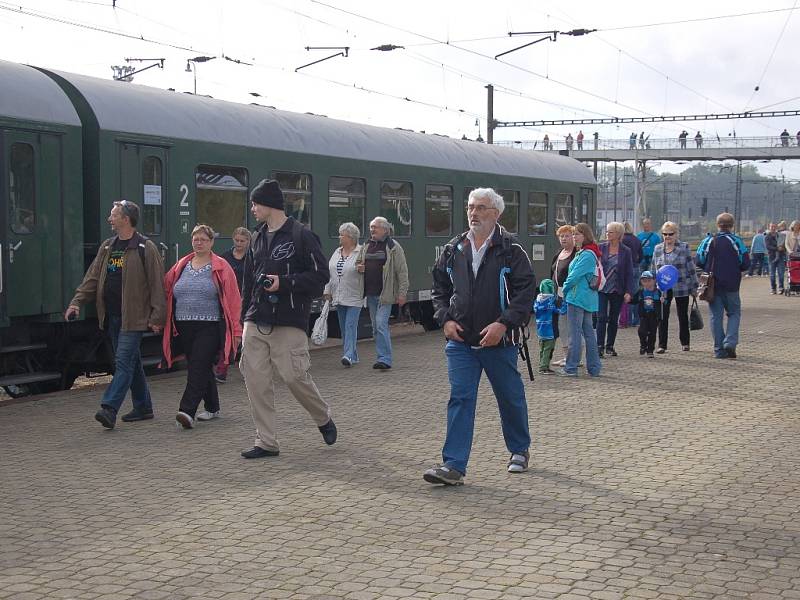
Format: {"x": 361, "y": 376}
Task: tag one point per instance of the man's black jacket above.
{"x": 303, "y": 274}
{"x": 474, "y": 302}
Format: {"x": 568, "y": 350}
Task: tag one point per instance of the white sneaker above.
{"x": 206, "y": 416}
{"x": 184, "y": 421}
{"x": 559, "y": 363}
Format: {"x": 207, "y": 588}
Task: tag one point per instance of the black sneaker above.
{"x": 443, "y": 475}
{"x": 610, "y": 351}
{"x": 106, "y": 416}
{"x": 259, "y": 452}
{"x": 730, "y": 352}
{"x": 381, "y": 366}
{"x": 600, "y": 352}
{"x": 642, "y": 351}
{"x": 329, "y": 432}
{"x": 137, "y": 415}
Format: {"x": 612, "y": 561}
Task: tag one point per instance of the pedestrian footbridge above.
{"x": 709, "y": 148}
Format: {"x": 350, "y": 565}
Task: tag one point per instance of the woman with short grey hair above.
{"x": 344, "y": 289}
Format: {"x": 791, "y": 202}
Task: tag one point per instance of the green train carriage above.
{"x": 41, "y": 224}
{"x": 186, "y": 159}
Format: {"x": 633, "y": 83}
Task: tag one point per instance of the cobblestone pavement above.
{"x": 637, "y": 489}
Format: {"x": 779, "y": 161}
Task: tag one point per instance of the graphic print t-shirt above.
{"x": 112, "y": 292}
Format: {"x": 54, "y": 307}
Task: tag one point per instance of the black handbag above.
{"x": 695, "y": 318}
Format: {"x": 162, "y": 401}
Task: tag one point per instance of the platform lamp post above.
{"x": 194, "y": 61}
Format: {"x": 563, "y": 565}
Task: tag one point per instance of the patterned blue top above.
{"x": 196, "y": 296}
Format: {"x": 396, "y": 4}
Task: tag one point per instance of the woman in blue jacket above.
{"x": 617, "y": 262}
{"x": 581, "y": 303}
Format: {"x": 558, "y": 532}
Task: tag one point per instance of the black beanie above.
{"x": 268, "y": 193}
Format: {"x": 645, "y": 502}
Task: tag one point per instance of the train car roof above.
{"x": 138, "y": 109}
{"x": 30, "y": 95}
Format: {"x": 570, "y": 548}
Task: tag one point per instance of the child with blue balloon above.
{"x": 648, "y": 299}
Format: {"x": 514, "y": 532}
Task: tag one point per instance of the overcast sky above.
{"x": 647, "y": 58}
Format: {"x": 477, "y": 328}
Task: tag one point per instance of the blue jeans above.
{"x": 348, "y": 325}
{"x": 777, "y": 267}
{"x": 464, "y": 367}
{"x": 580, "y": 329}
{"x": 756, "y": 263}
{"x": 608, "y": 317}
{"x": 379, "y": 315}
{"x": 730, "y": 304}
{"x": 128, "y": 370}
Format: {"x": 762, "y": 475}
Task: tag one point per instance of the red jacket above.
{"x": 231, "y": 302}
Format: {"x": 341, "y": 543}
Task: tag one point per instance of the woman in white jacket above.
{"x": 344, "y": 290}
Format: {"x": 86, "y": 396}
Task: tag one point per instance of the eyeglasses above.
{"x": 478, "y": 208}
{"x": 668, "y": 233}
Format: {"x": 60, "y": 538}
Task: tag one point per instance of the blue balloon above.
{"x": 667, "y": 277}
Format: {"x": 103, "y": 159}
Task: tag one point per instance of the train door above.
{"x": 143, "y": 180}
{"x": 3, "y": 233}
{"x": 32, "y": 195}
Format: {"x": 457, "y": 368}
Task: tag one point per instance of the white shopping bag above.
{"x": 320, "y": 331}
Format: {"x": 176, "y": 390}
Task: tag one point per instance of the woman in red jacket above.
{"x": 203, "y": 311}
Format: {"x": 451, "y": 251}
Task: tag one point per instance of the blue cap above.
{"x": 647, "y": 275}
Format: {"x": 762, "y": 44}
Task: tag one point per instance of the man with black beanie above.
{"x": 284, "y": 270}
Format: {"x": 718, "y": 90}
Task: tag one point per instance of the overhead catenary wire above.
{"x": 479, "y": 54}
{"x": 771, "y": 56}
{"x": 55, "y": 19}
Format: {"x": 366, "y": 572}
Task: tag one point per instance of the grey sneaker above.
{"x": 206, "y": 415}
{"x": 565, "y": 373}
{"x": 444, "y": 475}
{"x": 518, "y": 463}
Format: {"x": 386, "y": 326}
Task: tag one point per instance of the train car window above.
{"x": 587, "y": 199}
{"x": 510, "y": 217}
{"x": 537, "y": 213}
{"x": 152, "y": 180}
{"x": 297, "y": 195}
{"x": 438, "y": 210}
{"x": 565, "y": 210}
{"x": 347, "y": 200}
{"x": 221, "y": 198}
{"x": 22, "y": 189}
{"x": 397, "y": 200}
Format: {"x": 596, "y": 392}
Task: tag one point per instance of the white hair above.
{"x": 350, "y": 230}
{"x": 495, "y": 199}
{"x": 383, "y": 222}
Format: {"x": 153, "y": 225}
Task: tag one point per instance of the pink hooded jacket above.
{"x": 231, "y": 302}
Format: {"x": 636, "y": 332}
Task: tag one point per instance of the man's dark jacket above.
{"x": 474, "y": 302}
{"x": 303, "y": 274}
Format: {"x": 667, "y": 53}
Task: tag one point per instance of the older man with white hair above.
{"x": 385, "y": 281}
{"x": 483, "y": 288}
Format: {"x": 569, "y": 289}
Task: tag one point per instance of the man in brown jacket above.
{"x": 126, "y": 283}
